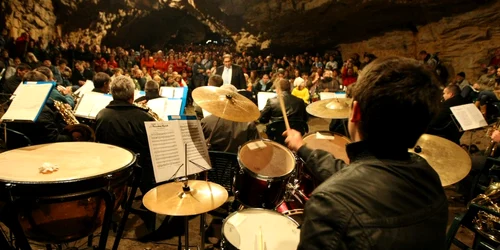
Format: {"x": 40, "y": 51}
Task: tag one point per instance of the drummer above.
{"x": 386, "y": 198}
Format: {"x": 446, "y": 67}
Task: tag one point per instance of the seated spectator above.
{"x": 300, "y": 90}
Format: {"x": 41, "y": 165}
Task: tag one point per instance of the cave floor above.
{"x": 135, "y": 225}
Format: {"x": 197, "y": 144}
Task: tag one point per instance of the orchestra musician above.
{"x": 386, "y": 198}
{"x": 101, "y": 83}
{"x": 226, "y": 135}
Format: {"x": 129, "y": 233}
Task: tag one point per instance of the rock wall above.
{"x": 35, "y": 16}
{"x": 464, "y": 42}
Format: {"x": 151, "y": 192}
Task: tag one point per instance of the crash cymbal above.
{"x": 170, "y": 199}
{"x": 226, "y": 104}
{"x": 451, "y": 162}
{"x": 336, "y": 108}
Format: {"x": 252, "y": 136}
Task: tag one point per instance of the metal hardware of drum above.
{"x": 68, "y": 204}
{"x": 263, "y": 175}
{"x": 245, "y": 229}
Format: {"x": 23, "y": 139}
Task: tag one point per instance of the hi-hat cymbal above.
{"x": 451, "y": 162}
{"x": 170, "y": 199}
{"x": 226, "y": 104}
{"x": 336, "y": 108}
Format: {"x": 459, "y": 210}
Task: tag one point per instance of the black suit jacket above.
{"x": 295, "y": 109}
{"x": 237, "y": 77}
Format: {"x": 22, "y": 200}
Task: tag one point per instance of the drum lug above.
{"x": 269, "y": 183}
{"x": 109, "y": 177}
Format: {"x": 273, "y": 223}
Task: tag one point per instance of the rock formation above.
{"x": 383, "y": 27}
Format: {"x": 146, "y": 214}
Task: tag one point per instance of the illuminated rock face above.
{"x": 463, "y": 31}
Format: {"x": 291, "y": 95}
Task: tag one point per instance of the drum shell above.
{"x": 261, "y": 191}
{"x": 307, "y": 183}
{"x": 256, "y": 192}
{"x": 65, "y": 211}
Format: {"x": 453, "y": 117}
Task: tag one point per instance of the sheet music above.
{"x": 167, "y": 92}
{"x": 91, "y": 104}
{"x": 173, "y": 107}
{"x": 468, "y": 116}
{"x": 85, "y": 88}
{"x": 192, "y": 134}
{"x": 138, "y": 94}
{"x": 158, "y": 105}
{"x": 178, "y": 92}
{"x": 166, "y": 143}
{"x": 165, "y": 148}
{"x": 28, "y": 102}
{"x": 262, "y": 98}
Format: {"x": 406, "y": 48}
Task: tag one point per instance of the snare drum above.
{"x": 67, "y": 204}
{"x": 265, "y": 168}
{"x": 245, "y": 229}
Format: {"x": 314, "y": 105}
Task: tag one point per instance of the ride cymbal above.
{"x": 336, "y": 108}
{"x": 170, "y": 199}
{"x": 226, "y": 104}
{"x": 450, "y": 161}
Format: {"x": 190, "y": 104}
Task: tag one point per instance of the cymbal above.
{"x": 451, "y": 162}
{"x": 226, "y": 104}
{"x": 336, "y": 108}
{"x": 170, "y": 199}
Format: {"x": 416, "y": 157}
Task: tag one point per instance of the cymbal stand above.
{"x": 186, "y": 190}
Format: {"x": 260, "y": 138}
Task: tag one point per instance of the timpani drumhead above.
{"x": 74, "y": 160}
{"x": 330, "y": 142}
{"x": 242, "y": 229}
{"x": 272, "y": 160}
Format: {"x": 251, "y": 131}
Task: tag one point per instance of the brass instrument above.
{"x": 488, "y": 224}
{"x": 491, "y": 150}
{"x": 73, "y": 125}
{"x": 148, "y": 109}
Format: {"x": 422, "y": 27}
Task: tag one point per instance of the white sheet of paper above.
{"x": 468, "y": 116}
{"x": 158, "y": 105}
{"x": 138, "y": 94}
{"x": 179, "y": 92}
{"x": 167, "y": 92}
{"x": 85, "y": 88}
{"x": 166, "y": 143}
{"x": 324, "y": 137}
{"x": 173, "y": 107}
{"x": 91, "y": 103}
{"x": 327, "y": 95}
{"x": 28, "y": 102}
{"x": 262, "y": 98}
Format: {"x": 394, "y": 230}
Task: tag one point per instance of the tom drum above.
{"x": 265, "y": 168}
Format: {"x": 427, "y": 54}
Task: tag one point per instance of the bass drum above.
{"x": 67, "y": 203}
{"x": 265, "y": 169}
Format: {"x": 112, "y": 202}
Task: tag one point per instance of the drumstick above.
{"x": 282, "y": 105}
{"x": 261, "y": 239}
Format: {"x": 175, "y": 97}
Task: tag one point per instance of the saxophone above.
{"x": 148, "y": 109}
{"x": 487, "y": 223}
{"x": 73, "y": 125}
{"x": 491, "y": 150}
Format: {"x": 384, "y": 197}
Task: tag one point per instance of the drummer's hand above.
{"x": 496, "y": 136}
{"x": 293, "y": 139}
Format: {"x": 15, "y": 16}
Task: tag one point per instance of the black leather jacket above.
{"x": 382, "y": 200}
{"x": 295, "y": 109}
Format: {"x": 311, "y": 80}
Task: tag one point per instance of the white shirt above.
{"x": 227, "y": 74}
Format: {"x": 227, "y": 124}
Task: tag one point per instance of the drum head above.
{"x": 266, "y": 158}
{"x": 243, "y": 229}
{"x": 330, "y": 142}
{"x": 74, "y": 160}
